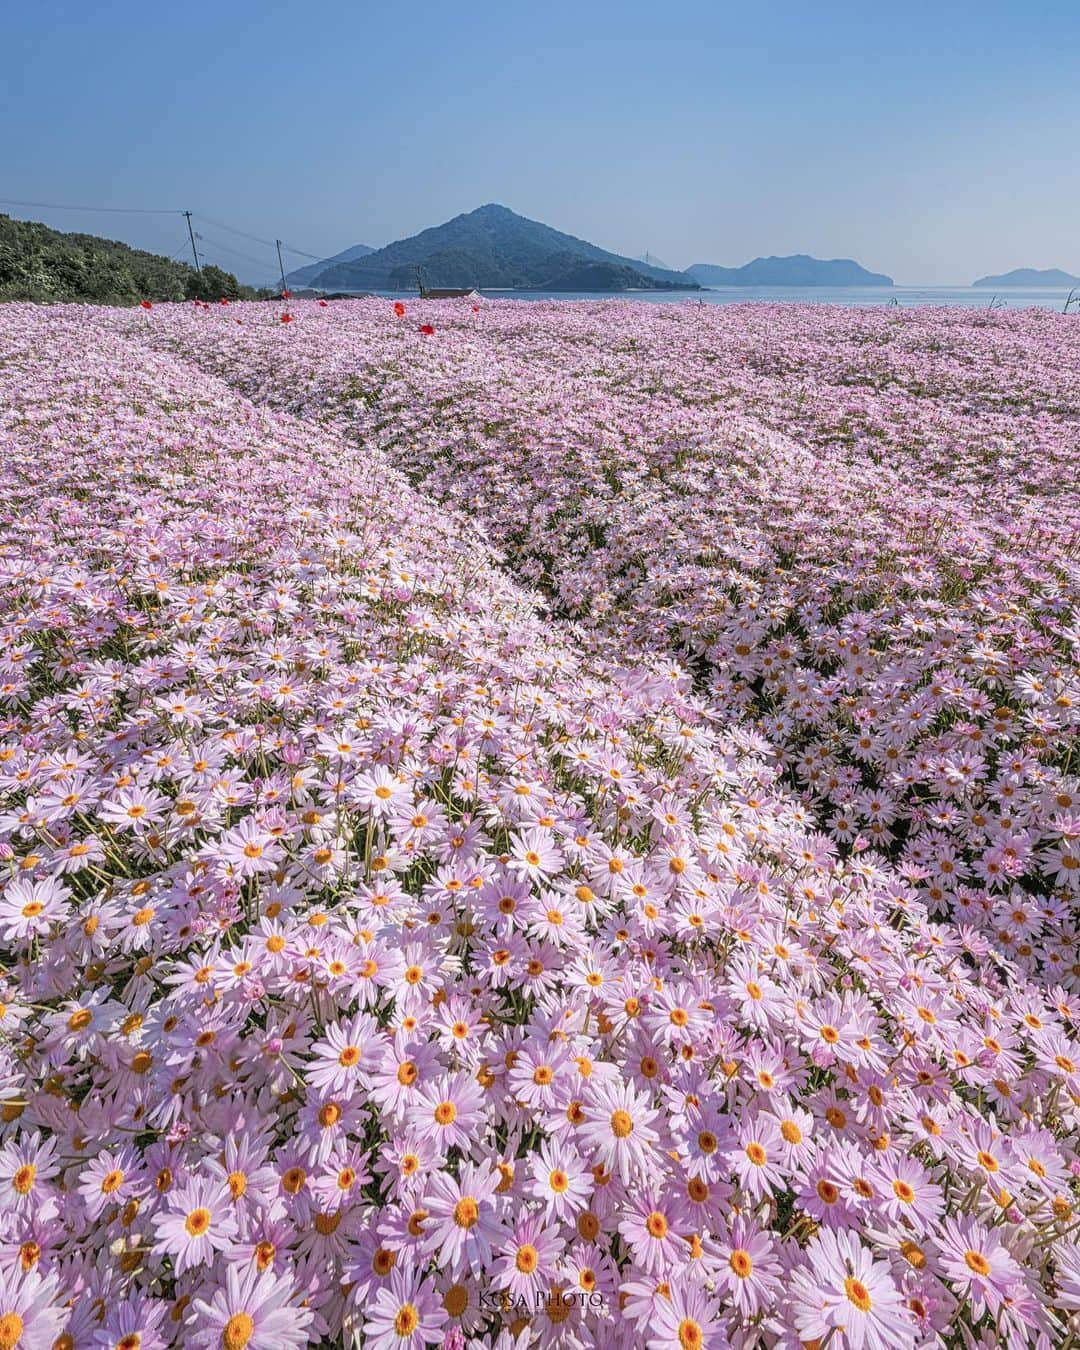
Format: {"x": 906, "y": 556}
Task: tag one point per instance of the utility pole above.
{"x": 281, "y": 266}
{"x": 194, "y": 250}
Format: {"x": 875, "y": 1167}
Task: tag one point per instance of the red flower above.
{"x": 223, "y": 301}
{"x": 323, "y": 304}
{"x": 399, "y": 309}
{"x": 286, "y": 295}
{"x": 476, "y": 309}
{"x": 286, "y": 318}
{"x": 427, "y": 329}
{"x": 146, "y": 304}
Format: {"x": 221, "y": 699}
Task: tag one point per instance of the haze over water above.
{"x": 970, "y": 297}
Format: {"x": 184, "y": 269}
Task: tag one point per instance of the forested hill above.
{"x": 494, "y": 247}
{"x": 37, "y": 263}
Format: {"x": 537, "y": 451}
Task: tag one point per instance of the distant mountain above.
{"x": 304, "y": 276}
{"x": 495, "y": 248}
{"x": 37, "y": 263}
{"x": 1030, "y": 276}
{"x": 653, "y": 261}
{"x": 797, "y": 270}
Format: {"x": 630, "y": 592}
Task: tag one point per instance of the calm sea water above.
{"x": 1041, "y": 298}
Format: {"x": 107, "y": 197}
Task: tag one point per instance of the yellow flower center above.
{"x": 858, "y": 1294}
{"x": 407, "y": 1320}
{"x": 293, "y": 1180}
{"x": 466, "y": 1212}
{"x": 11, "y": 1330}
{"x": 239, "y": 1329}
{"x": 622, "y": 1124}
{"x": 741, "y": 1263}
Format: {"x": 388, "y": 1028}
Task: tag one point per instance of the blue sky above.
{"x": 935, "y": 142}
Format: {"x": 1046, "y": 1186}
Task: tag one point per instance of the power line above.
{"x": 164, "y": 211}
{"x": 120, "y": 210}
{"x": 290, "y": 248}
{"x": 257, "y": 239}
{"x": 227, "y": 248}
{"x": 233, "y": 230}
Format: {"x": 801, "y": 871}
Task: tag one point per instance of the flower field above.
{"x": 539, "y": 825}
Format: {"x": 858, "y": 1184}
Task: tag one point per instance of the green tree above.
{"x": 214, "y": 284}
{"x": 45, "y": 265}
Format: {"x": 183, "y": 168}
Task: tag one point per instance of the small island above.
{"x": 797, "y": 269}
{"x": 1030, "y": 277}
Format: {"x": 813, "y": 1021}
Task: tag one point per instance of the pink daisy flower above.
{"x": 977, "y": 1264}
{"x": 257, "y": 1310}
{"x": 530, "y": 1261}
{"x": 748, "y": 1267}
{"x": 32, "y": 1315}
{"x": 343, "y": 1059}
{"x": 846, "y": 1295}
{"x": 463, "y": 1221}
{"x": 534, "y": 855}
{"x": 559, "y": 1180}
{"x": 198, "y": 1222}
{"x": 112, "y": 1178}
{"x": 617, "y": 1129}
{"x": 686, "y": 1320}
{"x": 406, "y": 1314}
{"x": 757, "y": 1159}
{"x": 134, "y": 1324}
{"x": 649, "y": 1234}
{"x": 29, "y": 908}
{"x": 27, "y": 1166}
{"x": 449, "y": 1110}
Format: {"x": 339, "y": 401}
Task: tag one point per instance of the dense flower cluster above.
{"x": 886, "y": 590}
{"x": 477, "y": 807}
